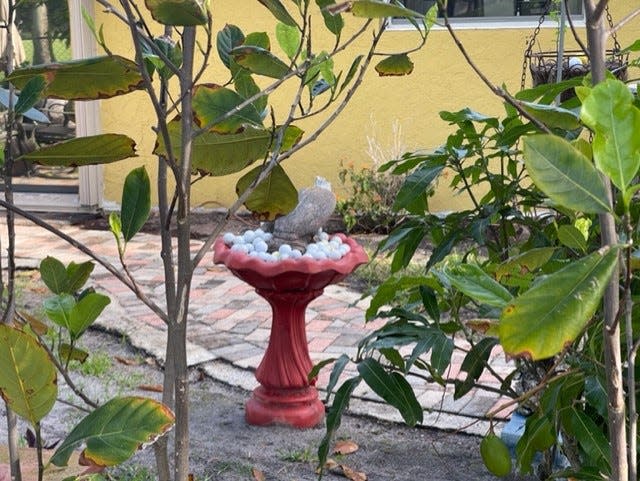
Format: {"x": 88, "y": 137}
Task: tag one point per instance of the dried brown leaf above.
{"x": 151, "y": 387}
{"x": 352, "y": 474}
{"x": 345, "y": 446}
{"x": 127, "y": 361}
{"x": 258, "y": 475}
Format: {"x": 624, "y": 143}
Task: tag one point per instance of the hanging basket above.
{"x": 543, "y": 66}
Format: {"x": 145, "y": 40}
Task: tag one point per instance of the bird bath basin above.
{"x": 285, "y": 395}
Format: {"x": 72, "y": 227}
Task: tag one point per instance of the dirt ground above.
{"x": 225, "y": 448}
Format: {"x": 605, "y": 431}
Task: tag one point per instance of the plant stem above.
{"x": 39, "y": 451}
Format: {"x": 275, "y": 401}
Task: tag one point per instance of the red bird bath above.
{"x": 285, "y": 395}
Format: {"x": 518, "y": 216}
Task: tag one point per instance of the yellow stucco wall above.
{"x": 442, "y": 80}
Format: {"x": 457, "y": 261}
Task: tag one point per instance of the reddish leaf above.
{"x": 345, "y": 447}
{"x": 127, "y": 361}
{"x": 258, "y": 475}
{"x": 352, "y": 474}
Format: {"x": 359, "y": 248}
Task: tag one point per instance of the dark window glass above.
{"x": 493, "y": 8}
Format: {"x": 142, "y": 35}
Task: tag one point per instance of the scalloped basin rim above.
{"x": 236, "y": 260}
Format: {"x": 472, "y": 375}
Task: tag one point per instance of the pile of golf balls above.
{"x": 256, "y": 243}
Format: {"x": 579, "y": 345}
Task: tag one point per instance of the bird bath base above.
{"x": 286, "y": 395}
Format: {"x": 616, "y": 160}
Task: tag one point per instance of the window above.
{"x": 493, "y": 13}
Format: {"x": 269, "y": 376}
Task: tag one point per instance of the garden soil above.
{"x": 225, "y": 448}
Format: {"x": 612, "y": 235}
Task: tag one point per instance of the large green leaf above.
{"x": 333, "y": 21}
{"x": 474, "y": 364}
{"x": 220, "y": 154}
{"x": 81, "y": 151}
{"x": 260, "y": 61}
{"x": 274, "y": 196}
{"x": 417, "y": 184}
{"x": 334, "y": 417}
{"x": 538, "y": 436}
{"x": 592, "y": 440}
{"x": 85, "y": 312}
{"x": 89, "y": 79}
{"x": 136, "y": 202}
{"x": 279, "y": 11}
{"x": 78, "y": 274}
{"x": 542, "y": 321}
{"x": 393, "y": 388}
{"x": 54, "y": 275}
{"x": 58, "y": 308}
{"x": 381, "y": 9}
{"x": 610, "y": 113}
{"x": 395, "y": 65}
{"x": 564, "y": 174}
{"x": 553, "y": 116}
{"x": 178, "y": 12}
{"x": 478, "y": 285}
{"x": 227, "y": 39}
{"x": 30, "y": 94}
{"x": 27, "y": 377}
{"x": 116, "y": 430}
{"x": 288, "y": 38}
{"x": 211, "y": 102}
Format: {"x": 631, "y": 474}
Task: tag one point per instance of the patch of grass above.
{"x": 305, "y": 455}
{"x": 368, "y": 277}
{"x": 219, "y": 468}
{"x": 97, "y": 364}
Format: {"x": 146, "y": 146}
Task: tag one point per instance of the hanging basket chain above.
{"x": 532, "y": 41}
{"x": 616, "y": 44}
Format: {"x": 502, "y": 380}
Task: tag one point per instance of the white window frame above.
{"x": 88, "y": 112}
{"x": 487, "y": 23}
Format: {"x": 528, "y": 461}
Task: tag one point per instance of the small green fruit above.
{"x": 495, "y": 455}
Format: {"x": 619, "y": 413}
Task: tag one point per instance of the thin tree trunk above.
{"x": 184, "y": 263}
{"x": 40, "y": 32}
{"x": 596, "y": 41}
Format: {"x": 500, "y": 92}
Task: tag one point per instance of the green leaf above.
{"x": 247, "y": 88}
{"x": 219, "y": 154}
{"x": 89, "y": 79}
{"x": 136, "y": 202}
{"x": 474, "y": 364}
{"x": 279, "y": 11}
{"x": 178, "y": 12}
{"x": 28, "y": 377}
{"x": 85, "y": 312}
{"x": 81, "y": 151}
{"x": 211, "y": 102}
{"x": 116, "y": 430}
{"x": 417, "y": 183}
{"x": 564, "y": 174}
{"x": 380, "y": 9}
{"x": 333, "y": 22}
{"x": 395, "y": 65}
{"x": 54, "y": 275}
{"x": 478, "y": 285}
{"x": 542, "y": 321}
{"x": 30, "y": 94}
{"x": 528, "y": 261}
{"x": 58, "y": 309}
{"x": 292, "y": 135}
{"x": 336, "y": 372}
{"x": 388, "y": 290}
{"x": 553, "y": 116}
{"x": 571, "y": 237}
{"x": 78, "y": 274}
{"x": 171, "y": 50}
{"x": 315, "y": 370}
{"x": 592, "y": 440}
{"x": 288, "y": 38}
{"x": 334, "y": 417}
{"x": 274, "y": 196}
{"x": 610, "y": 113}
{"x": 538, "y": 436}
{"x": 393, "y": 388}
{"x": 115, "y": 224}
{"x": 352, "y": 72}
{"x": 260, "y": 61}
{"x": 227, "y": 39}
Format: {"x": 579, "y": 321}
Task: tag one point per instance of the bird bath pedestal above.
{"x": 285, "y": 395}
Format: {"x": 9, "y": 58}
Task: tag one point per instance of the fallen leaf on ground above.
{"x": 126, "y": 361}
{"x": 257, "y": 474}
{"x": 150, "y": 387}
{"x": 352, "y": 474}
{"x": 345, "y": 447}
{"x": 346, "y": 471}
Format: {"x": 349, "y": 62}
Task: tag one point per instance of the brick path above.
{"x": 229, "y": 323}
